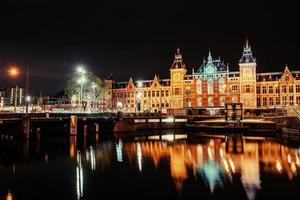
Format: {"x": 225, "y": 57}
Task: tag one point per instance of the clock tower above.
{"x": 247, "y": 65}
{"x": 178, "y": 73}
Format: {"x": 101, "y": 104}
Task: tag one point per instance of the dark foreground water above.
{"x": 167, "y": 166}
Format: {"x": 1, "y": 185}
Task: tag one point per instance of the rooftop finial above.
{"x": 209, "y": 58}
{"x": 247, "y": 43}
{"x": 178, "y": 49}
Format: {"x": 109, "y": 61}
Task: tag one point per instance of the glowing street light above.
{"x": 27, "y": 99}
{"x": 13, "y": 72}
{"x": 80, "y": 69}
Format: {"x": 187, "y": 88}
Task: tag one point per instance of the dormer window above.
{"x": 286, "y": 78}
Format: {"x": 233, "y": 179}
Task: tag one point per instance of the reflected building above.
{"x": 213, "y": 162}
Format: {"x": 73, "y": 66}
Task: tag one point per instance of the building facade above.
{"x": 209, "y": 87}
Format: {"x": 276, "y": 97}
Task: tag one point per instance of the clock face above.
{"x": 176, "y": 76}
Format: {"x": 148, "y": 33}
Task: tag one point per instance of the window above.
{"x": 291, "y": 98}
{"x": 145, "y": 101}
{"x": 222, "y": 88}
{"x": 297, "y": 88}
{"x": 167, "y": 105}
{"x": 270, "y": 89}
{"x": 298, "y": 100}
{"x": 247, "y": 90}
{"x": 283, "y": 89}
{"x": 286, "y": 78}
{"x": 234, "y": 99}
{"x": 210, "y": 101}
{"x": 177, "y": 91}
{"x": 277, "y": 100}
{"x": 188, "y": 92}
{"x": 199, "y": 101}
{"x": 210, "y": 86}
{"x": 222, "y": 101}
{"x": 162, "y": 105}
{"x": 264, "y": 101}
{"x": 291, "y": 89}
{"x": 284, "y": 100}
{"x": 199, "y": 86}
{"x": 258, "y": 89}
{"x": 264, "y": 89}
{"x": 153, "y": 93}
{"x": 145, "y": 93}
{"x": 258, "y": 102}
{"x": 277, "y": 89}
{"x": 153, "y": 105}
{"x": 234, "y": 88}
{"x": 149, "y": 93}
{"x": 162, "y": 93}
{"x": 157, "y": 93}
{"x": 167, "y": 93}
{"x": 271, "y": 102}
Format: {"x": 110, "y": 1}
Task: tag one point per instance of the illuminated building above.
{"x": 208, "y": 87}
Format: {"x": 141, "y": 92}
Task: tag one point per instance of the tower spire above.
{"x": 247, "y": 43}
{"x": 209, "y": 58}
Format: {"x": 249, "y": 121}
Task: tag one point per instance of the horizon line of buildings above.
{"x": 208, "y": 87}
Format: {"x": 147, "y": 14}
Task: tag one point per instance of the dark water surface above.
{"x": 163, "y": 166}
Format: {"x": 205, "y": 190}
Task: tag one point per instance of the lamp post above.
{"x": 14, "y": 72}
{"x": 81, "y": 71}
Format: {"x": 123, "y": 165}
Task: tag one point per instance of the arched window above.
{"x": 210, "y": 86}
{"x": 222, "y": 85}
{"x": 199, "y": 101}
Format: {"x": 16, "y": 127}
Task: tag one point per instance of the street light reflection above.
{"x": 79, "y": 176}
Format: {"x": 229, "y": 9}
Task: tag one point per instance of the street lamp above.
{"x": 81, "y": 71}
{"x": 14, "y": 72}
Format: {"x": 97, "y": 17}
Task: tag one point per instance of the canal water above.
{"x": 161, "y": 165}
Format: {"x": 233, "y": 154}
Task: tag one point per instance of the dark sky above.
{"x": 139, "y": 38}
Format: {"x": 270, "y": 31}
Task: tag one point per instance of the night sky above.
{"x": 139, "y": 38}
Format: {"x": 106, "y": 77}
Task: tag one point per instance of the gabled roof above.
{"x": 216, "y": 64}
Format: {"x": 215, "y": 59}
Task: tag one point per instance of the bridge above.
{"x": 34, "y": 125}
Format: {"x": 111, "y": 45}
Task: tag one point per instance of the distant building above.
{"x": 209, "y": 87}
{"x": 16, "y": 96}
{"x": 2, "y": 97}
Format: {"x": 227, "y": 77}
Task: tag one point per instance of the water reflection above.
{"x": 79, "y": 176}
{"x": 9, "y": 196}
{"x": 219, "y": 165}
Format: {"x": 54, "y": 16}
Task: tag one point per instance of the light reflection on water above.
{"x": 213, "y": 163}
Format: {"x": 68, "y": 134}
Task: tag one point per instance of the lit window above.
{"x": 291, "y": 89}
{"x": 210, "y": 101}
{"x": 283, "y": 89}
{"x": 199, "y": 86}
{"x": 234, "y": 88}
{"x": 270, "y": 89}
{"x": 264, "y": 89}
{"x": 199, "y": 101}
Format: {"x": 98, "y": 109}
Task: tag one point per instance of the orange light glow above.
{"x": 13, "y": 71}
